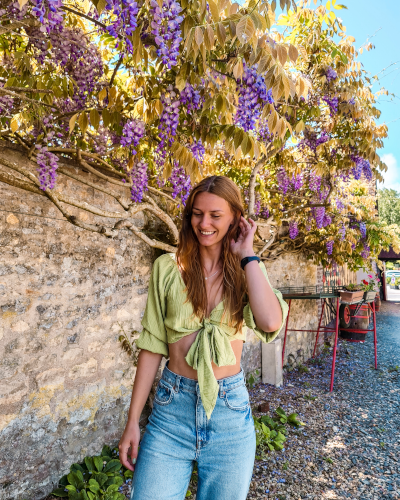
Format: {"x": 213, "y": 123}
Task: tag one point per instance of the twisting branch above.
{"x": 160, "y": 193}
{"x": 81, "y": 14}
{"x": 23, "y": 98}
{"x": 152, "y": 243}
{"x": 116, "y": 69}
{"x": 252, "y": 182}
{"x": 124, "y": 218}
{"x": 120, "y": 200}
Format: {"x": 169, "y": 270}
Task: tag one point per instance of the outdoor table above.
{"x": 324, "y": 293}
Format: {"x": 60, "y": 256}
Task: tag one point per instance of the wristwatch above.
{"x": 246, "y": 260}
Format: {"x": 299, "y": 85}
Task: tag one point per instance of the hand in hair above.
{"x": 244, "y": 244}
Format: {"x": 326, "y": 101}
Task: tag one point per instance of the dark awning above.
{"x": 389, "y": 255}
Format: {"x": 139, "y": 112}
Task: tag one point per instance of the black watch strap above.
{"x": 246, "y": 260}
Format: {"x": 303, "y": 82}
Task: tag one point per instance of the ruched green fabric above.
{"x": 168, "y": 318}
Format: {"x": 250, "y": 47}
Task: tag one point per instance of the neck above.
{"x": 210, "y": 257}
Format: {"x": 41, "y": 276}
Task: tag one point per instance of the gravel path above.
{"x": 350, "y": 446}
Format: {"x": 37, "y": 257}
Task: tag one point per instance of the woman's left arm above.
{"x": 268, "y": 319}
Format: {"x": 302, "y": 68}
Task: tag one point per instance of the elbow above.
{"x": 271, "y": 326}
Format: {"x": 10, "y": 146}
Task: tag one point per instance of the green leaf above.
{"x": 95, "y": 121}
{"x": 74, "y": 479}
{"x": 113, "y": 488}
{"x": 113, "y": 466}
{"x": 118, "y": 480}
{"x": 214, "y": 10}
{"x": 221, "y": 34}
{"x": 94, "y": 485}
{"x": 128, "y": 474}
{"x": 76, "y": 467}
{"x": 73, "y": 495}
{"x": 89, "y": 463}
{"x": 83, "y": 122}
{"x": 101, "y": 4}
{"x": 106, "y": 451}
{"x": 60, "y": 492}
{"x": 106, "y": 117}
{"x": 245, "y": 29}
{"x": 101, "y": 478}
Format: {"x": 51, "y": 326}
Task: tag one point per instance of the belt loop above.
{"x": 177, "y": 382}
{"x": 221, "y": 388}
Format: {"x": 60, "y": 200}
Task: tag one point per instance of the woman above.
{"x": 198, "y": 303}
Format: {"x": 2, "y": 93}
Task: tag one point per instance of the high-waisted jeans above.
{"x": 178, "y": 435}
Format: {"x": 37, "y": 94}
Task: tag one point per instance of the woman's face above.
{"x": 211, "y": 217}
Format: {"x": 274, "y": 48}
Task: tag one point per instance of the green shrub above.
{"x": 96, "y": 478}
{"x": 271, "y": 432}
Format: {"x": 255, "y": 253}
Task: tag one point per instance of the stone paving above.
{"x": 350, "y": 446}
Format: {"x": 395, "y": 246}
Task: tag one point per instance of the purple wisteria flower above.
{"x": 48, "y": 164}
{"x": 314, "y": 182}
{"x": 166, "y": 28}
{"x": 283, "y": 180}
{"x": 191, "y": 98}
{"x": 139, "y": 176}
{"x": 330, "y": 74}
{"x": 132, "y": 133}
{"x": 125, "y": 19}
{"x": 362, "y": 167}
{"x": 181, "y": 183}
{"x": 198, "y": 150}
{"x": 293, "y": 229}
{"x": 169, "y": 121}
{"x": 252, "y": 90}
{"x": 319, "y": 215}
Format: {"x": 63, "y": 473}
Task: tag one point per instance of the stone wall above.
{"x": 65, "y": 294}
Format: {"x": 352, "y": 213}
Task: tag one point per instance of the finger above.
{"x": 123, "y": 458}
{"x": 253, "y": 225}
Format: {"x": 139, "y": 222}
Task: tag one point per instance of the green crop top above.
{"x": 167, "y": 319}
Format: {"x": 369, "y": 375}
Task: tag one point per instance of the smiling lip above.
{"x": 211, "y": 233}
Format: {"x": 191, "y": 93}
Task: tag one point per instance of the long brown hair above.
{"x": 188, "y": 254}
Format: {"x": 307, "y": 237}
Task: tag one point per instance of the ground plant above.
{"x": 271, "y": 432}
{"x": 99, "y": 477}
{"x": 140, "y": 100}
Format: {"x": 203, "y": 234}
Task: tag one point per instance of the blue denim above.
{"x": 178, "y": 435}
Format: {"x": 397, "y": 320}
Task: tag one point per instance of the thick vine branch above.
{"x": 57, "y": 197}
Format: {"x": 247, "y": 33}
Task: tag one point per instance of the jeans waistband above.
{"x": 192, "y": 385}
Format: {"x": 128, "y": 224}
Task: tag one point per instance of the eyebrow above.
{"x": 218, "y": 210}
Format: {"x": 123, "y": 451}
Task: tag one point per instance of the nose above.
{"x": 205, "y": 223}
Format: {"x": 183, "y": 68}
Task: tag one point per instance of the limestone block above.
{"x": 271, "y": 364}
{"x": 73, "y": 354}
{"x": 20, "y": 327}
{"x": 83, "y": 370}
{"x": 52, "y": 377}
{"x": 108, "y": 361}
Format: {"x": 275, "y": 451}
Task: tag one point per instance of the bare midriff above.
{"x": 178, "y": 364}
{"x": 178, "y": 350}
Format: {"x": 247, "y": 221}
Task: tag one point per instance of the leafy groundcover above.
{"x": 96, "y": 478}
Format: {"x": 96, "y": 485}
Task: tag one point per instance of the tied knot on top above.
{"x": 211, "y": 345}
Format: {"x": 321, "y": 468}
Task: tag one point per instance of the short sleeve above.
{"x": 249, "y": 318}
{"x": 154, "y": 335}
